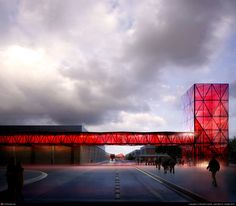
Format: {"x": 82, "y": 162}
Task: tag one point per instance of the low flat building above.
{"x": 48, "y": 153}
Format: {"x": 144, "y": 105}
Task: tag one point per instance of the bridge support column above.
{"x": 14, "y": 151}
{"x": 32, "y": 156}
{"x": 72, "y": 155}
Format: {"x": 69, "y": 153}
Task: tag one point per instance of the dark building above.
{"x": 48, "y": 153}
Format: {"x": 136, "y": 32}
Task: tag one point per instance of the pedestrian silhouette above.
{"x": 156, "y": 162}
{"x": 19, "y": 170}
{"x": 165, "y": 164}
{"x": 11, "y": 179}
{"x": 172, "y": 163}
{"x": 159, "y": 163}
{"x": 213, "y": 167}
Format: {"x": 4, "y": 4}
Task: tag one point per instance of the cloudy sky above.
{"x": 112, "y": 65}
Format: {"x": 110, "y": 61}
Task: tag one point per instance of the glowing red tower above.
{"x": 206, "y": 107}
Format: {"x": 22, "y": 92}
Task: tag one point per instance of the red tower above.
{"x": 206, "y": 107}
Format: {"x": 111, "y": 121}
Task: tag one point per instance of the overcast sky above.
{"x": 112, "y": 65}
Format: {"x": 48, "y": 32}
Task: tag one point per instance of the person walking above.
{"x": 11, "y": 179}
{"x": 19, "y": 170}
{"x": 213, "y": 167}
{"x": 172, "y": 163}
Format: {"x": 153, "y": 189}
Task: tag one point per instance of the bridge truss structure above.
{"x": 101, "y": 138}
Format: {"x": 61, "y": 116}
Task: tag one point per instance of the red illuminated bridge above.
{"x": 99, "y": 138}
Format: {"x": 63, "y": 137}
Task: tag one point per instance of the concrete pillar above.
{"x": 32, "y": 154}
{"x": 72, "y": 160}
{"x": 14, "y": 151}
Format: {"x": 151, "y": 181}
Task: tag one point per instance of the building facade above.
{"x": 49, "y": 153}
{"x": 207, "y": 114}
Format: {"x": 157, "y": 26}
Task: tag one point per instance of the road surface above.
{"x": 110, "y": 182}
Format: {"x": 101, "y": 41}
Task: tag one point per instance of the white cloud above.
{"x": 169, "y": 98}
{"x": 112, "y": 149}
{"x": 138, "y": 122}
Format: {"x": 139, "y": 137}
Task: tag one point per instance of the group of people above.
{"x": 15, "y": 180}
{"x": 168, "y": 163}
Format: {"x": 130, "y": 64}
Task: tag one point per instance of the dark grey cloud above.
{"x": 183, "y": 34}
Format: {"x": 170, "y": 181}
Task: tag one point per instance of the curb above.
{"x": 30, "y": 180}
{"x": 35, "y": 179}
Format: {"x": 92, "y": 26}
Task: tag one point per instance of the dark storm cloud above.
{"x": 116, "y": 84}
{"x": 182, "y": 33}
{"x": 51, "y": 106}
{"x": 95, "y": 66}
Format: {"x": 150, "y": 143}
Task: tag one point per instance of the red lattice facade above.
{"x": 207, "y": 114}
